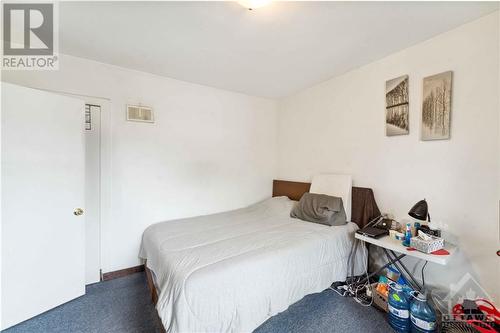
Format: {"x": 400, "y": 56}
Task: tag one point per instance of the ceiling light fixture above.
{"x": 254, "y": 4}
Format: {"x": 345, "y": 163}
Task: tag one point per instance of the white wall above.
{"x": 338, "y": 126}
{"x": 210, "y": 150}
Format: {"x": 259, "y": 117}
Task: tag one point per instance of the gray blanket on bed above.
{"x": 320, "y": 208}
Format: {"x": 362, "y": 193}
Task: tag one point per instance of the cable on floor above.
{"x": 353, "y": 287}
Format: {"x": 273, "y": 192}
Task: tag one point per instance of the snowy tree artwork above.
{"x": 396, "y": 106}
{"x": 436, "y": 107}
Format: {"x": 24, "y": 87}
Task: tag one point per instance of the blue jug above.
{"x": 423, "y": 317}
{"x": 399, "y": 308}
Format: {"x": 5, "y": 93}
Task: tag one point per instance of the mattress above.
{"x": 229, "y": 272}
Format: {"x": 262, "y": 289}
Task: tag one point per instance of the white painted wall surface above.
{"x": 338, "y": 126}
{"x": 209, "y": 150}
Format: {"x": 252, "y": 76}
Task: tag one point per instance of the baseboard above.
{"x": 122, "y": 272}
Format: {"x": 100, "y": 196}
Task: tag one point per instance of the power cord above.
{"x": 353, "y": 287}
{"x": 367, "y": 285}
{"x": 423, "y": 276}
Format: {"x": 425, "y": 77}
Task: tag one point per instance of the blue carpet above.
{"x": 124, "y": 306}
{"x": 121, "y": 305}
{"x": 327, "y": 312}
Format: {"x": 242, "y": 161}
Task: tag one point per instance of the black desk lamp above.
{"x": 420, "y": 211}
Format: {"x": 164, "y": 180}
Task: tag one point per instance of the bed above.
{"x": 229, "y": 272}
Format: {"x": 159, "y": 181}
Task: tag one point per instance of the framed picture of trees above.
{"x": 436, "y": 107}
{"x": 397, "y": 106}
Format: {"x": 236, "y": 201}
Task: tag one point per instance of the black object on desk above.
{"x": 420, "y": 211}
{"x": 379, "y": 229}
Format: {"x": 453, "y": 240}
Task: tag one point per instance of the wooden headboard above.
{"x": 363, "y": 205}
{"x": 293, "y": 190}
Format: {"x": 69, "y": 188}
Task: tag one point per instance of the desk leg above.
{"x": 414, "y": 283}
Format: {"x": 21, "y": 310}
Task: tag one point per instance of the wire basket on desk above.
{"x": 427, "y": 246}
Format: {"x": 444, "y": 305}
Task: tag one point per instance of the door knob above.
{"x": 78, "y": 211}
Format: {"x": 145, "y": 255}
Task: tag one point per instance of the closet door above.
{"x": 43, "y": 226}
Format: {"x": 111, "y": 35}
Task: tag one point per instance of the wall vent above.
{"x": 140, "y": 113}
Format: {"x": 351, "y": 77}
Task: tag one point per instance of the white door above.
{"x": 92, "y": 192}
{"x": 43, "y": 254}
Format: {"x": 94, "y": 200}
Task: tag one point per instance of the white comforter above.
{"x": 230, "y": 272}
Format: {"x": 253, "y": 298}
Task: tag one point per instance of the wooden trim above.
{"x": 131, "y": 270}
{"x": 122, "y": 272}
{"x": 293, "y": 190}
{"x": 151, "y": 286}
{"x": 154, "y": 295}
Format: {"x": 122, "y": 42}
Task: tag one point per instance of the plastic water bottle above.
{"x": 399, "y": 308}
{"x": 423, "y": 317}
{"x": 406, "y": 241}
{"x": 416, "y": 226}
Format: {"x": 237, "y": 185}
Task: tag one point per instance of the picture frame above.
{"x": 397, "y": 106}
{"x": 436, "y": 107}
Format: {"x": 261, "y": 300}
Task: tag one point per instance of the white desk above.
{"x": 391, "y": 246}
{"x": 396, "y": 246}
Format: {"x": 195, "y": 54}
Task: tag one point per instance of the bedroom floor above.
{"x": 123, "y": 305}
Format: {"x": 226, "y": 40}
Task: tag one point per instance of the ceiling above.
{"x": 272, "y": 51}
